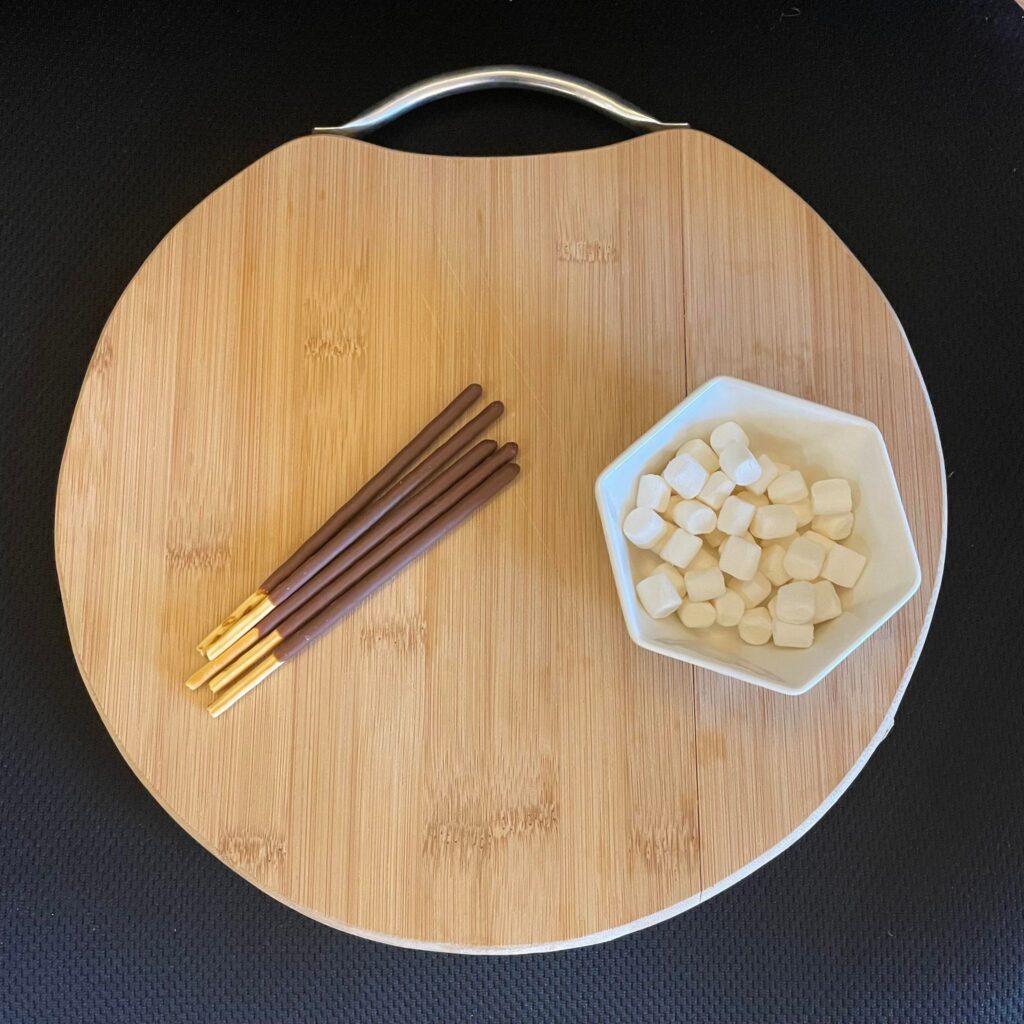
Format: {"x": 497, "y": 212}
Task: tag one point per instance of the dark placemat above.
{"x": 903, "y": 125}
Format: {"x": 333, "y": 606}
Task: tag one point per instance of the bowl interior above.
{"x": 821, "y": 442}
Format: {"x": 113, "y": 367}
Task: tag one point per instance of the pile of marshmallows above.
{"x": 750, "y": 537}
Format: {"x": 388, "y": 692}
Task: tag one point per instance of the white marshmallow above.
{"x": 672, "y": 574}
{"x": 697, "y": 614}
{"x": 771, "y": 607}
{"x": 728, "y": 433}
{"x": 658, "y": 596}
{"x": 756, "y": 627}
{"x": 729, "y": 608}
{"x": 676, "y": 549}
{"x": 769, "y": 471}
{"x": 739, "y": 464}
{"x": 826, "y": 602}
{"x": 653, "y": 492}
{"x": 739, "y": 557}
{"x": 843, "y": 565}
{"x": 700, "y": 450}
{"x": 803, "y": 511}
{"x": 716, "y": 490}
{"x": 715, "y": 538}
{"x": 680, "y": 548}
{"x": 773, "y": 521}
{"x": 735, "y": 516}
{"x": 773, "y": 565}
{"x": 834, "y": 527}
{"x": 694, "y": 516}
{"x": 825, "y": 542}
{"x": 795, "y": 602}
{"x": 804, "y": 559}
{"x": 752, "y": 592}
{"x": 757, "y": 500}
{"x": 686, "y": 476}
{"x": 788, "y": 488}
{"x": 789, "y": 634}
{"x": 831, "y": 497}
{"x": 644, "y": 527}
{"x": 704, "y": 584}
{"x": 704, "y": 559}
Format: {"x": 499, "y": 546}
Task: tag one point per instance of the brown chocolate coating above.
{"x": 373, "y": 547}
{"x": 422, "y": 474}
{"x": 408, "y": 552}
{"x": 376, "y": 485}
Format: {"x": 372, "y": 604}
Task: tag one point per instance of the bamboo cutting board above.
{"x": 479, "y": 758}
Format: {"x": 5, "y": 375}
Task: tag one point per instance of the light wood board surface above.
{"x": 479, "y": 758}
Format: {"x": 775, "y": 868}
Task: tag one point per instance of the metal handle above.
{"x": 508, "y": 76}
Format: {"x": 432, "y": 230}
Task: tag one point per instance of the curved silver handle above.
{"x": 508, "y": 76}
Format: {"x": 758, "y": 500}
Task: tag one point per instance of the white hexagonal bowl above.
{"x": 823, "y": 442}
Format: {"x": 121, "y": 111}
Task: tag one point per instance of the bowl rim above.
{"x": 630, "y": 611}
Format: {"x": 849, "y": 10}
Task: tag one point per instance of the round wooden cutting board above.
{"x": 479, "y": 758}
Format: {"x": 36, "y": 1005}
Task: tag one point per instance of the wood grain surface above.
{"x": 478, "y": 758}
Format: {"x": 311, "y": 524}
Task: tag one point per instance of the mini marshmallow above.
{"x": 653, "y": 492}
{"x": 644, "y": 527}
{"x": 729, "y": 608}
{"x": 735, "y": 516}
{"x": 700, "y": 450}
{"x": 757, "y": 500}
{"x": 697, "y": 614}
{"x": 787, "y": 488}
{"x": 716, "y": 490}
{"x": 834, "y": 527}
{"x": 704, "y": 584}
{"x": 773, "y": 521}
{"x": 694, "y": 516}
{"x": 672, "y": 574}
{"x": 739, "y": 464}
{"x": 789, "y": 634}
{"x": 704, "y": 559}
{"x": 728, "y": 433}
{"x": 804, "y": 559}
{"x": 795, "y": 602}
{"x": 769, "y": 471}
{"x": 831, "y": 497}
{"x": 685, "y": 475}
{"x": 771, "y": 607}
{"x": 826, "y": 602}
{"x": 658, "y": 596}
{"x": 752, "y": 592}
{"x": 803, "y": 511}
{"x": 825, "y": 542}
{"x": 715, "y": 538}
{"x": 843, "y": 566}
{"x": 739, "y": 558}
{"x": 680, "y": 548}
{"x": 756, "y": 627}
{"x": 773, "y": 565}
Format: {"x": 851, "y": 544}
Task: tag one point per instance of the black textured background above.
{"x": 902, "y": 123}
